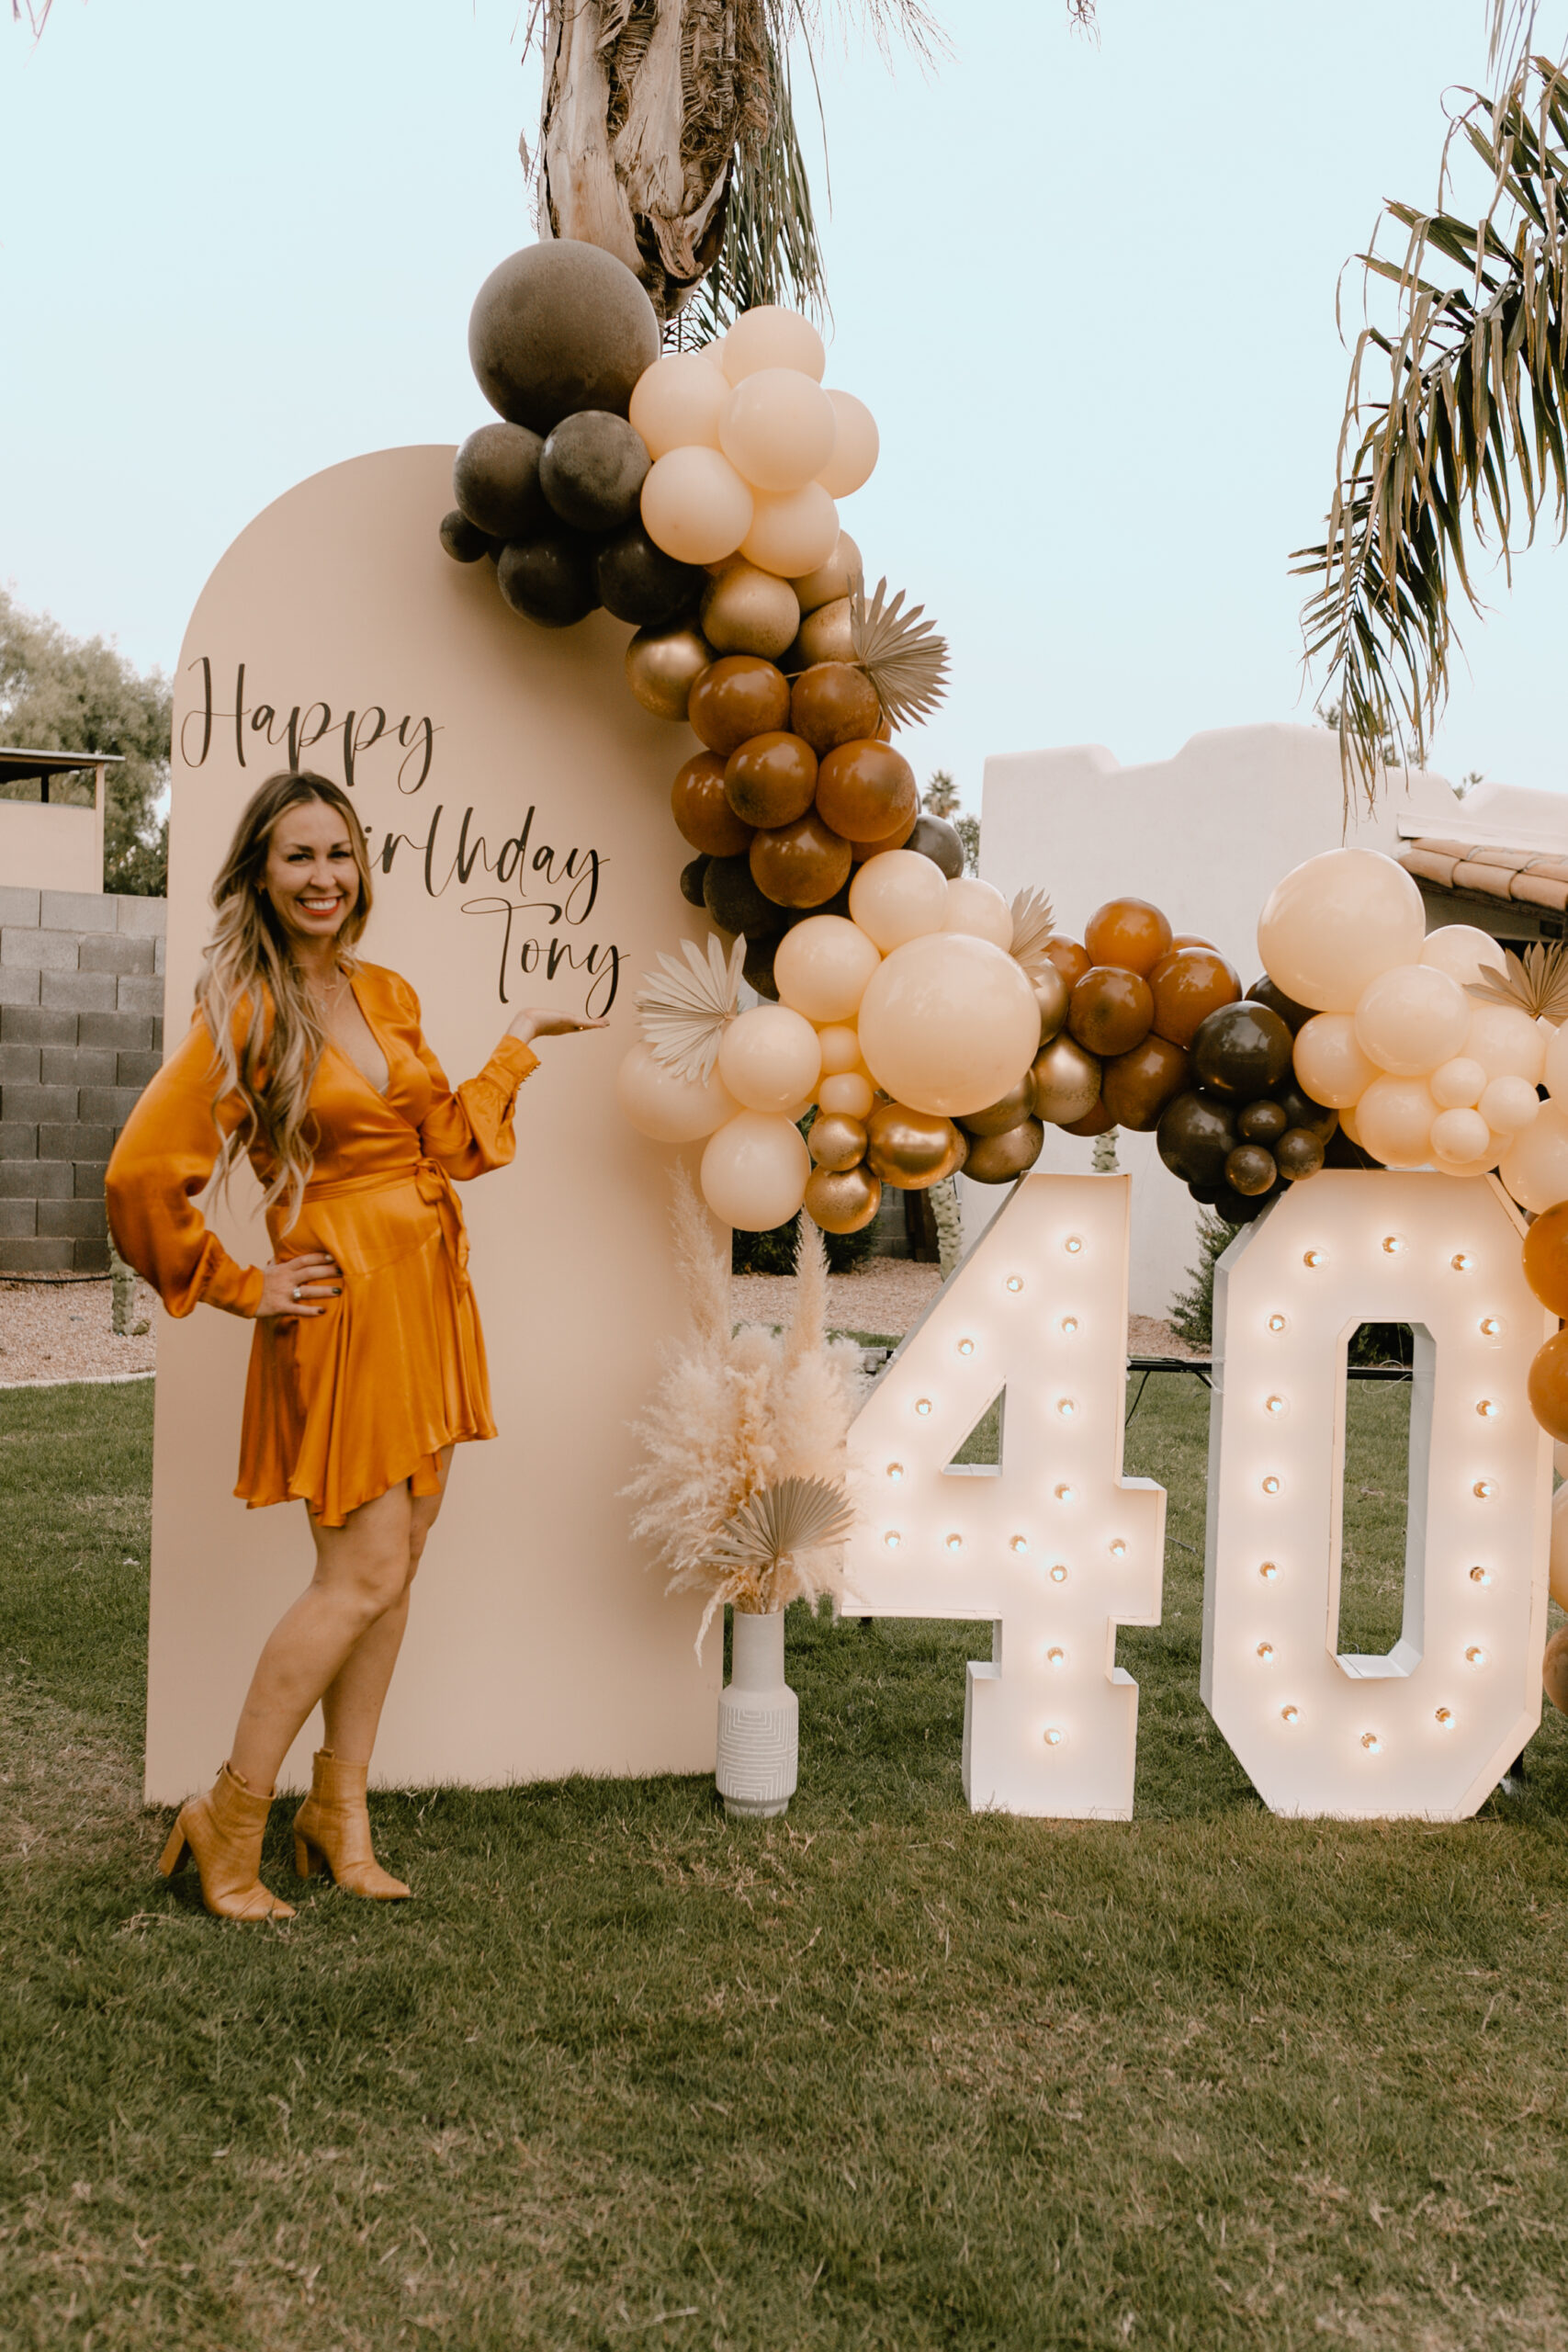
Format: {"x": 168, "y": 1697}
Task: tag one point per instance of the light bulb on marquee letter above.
{"x": 1054, "y": 1546}
{"x": 1429, "y": 1729}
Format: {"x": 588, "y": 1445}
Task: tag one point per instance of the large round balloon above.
{"x": 1547, "y": 1386}
{"x": 701, "y": 808}
{"x": 495, "y": 481}
{"x": 1330, "y": 1061}
{"x": 738, "y": 698}
{"x": 777, "y": 430}
{"x": 748, "y": 611}
{"x": 769, "y": 1058}
{"x": 1463, "y": 952}
{"x": 663, "y": 665}
{"x": 792, "y": 532}
{"x": 770, "y": 778}
{"x": 1546, "y": 1258}
{"x": 1506, "y": 1042}
{"x": 866, "y": 790}
{"x": 1411, "y": 1018}
{"x": 695, "y": 506}
{"x": 1241, "y": 1051}
{"x": 677, "y": 402}
{"x": 735, "y": 902}
{"x": 803, "y": 864}
{"x": 1111, "y": 1010}
{"x": 559, "y": 326}
{"x": 1066, "y": 1082}
{"x": 912, "y": 1149}
{"x": 898, "y": 896}
{"x": 980, "y": 908}
{"x": 1136, "y": 1086}
{"x": 1195, "y": 1137}
{"x": 592, "y": 470}
{"x": 770, "y": 336}
{"x": 855, "y": 446}
{"x": 754, "y": 1171}
{"x": 823, "y": 968}
{"x": 549, "y": 579}
{"x": 1336, "y": 923}
{"x": 668, "y": 1108}
{"x": 1393, "y": 1121}
{"x": 833, "y": 703}
{"x": 1534, "y": 1169}
{"x": 949, "y": 1022}
{"x": 1129, "y": 932}
{"x": 1187, "y": 985}
{"x": 1294, "y": 1016}
{"x": 638, "y": 582}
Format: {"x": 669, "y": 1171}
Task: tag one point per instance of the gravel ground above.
{"x": 62, "y": 1332}
{"x": 890, "y": 1294}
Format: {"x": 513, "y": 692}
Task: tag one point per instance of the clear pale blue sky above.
{"x": 1088, "y": 292}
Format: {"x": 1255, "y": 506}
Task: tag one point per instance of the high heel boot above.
{"x": 331, "y": 1829}
{"x": 223, "y": 1831}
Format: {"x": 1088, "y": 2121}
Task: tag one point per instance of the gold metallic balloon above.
{"x": 1011, "y": 1111}
{"x": 1053, "y": 996}
{"x": 911, "y": 1149}
{"x": 1066, "y": 1083}
{"x": 841, "y": 1200}
{"x": 830, "y": 580}
{"x": 996, "y": 1159}
{"x": 662, "y": 666}
{"x": 825, "y": 635}
{"x": 748, "y": 611}
{"x": 836, "y": 1141}
{"x": 1554, "y": 1670}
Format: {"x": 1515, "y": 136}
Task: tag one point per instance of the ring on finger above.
{"x": 296, "y": 1293}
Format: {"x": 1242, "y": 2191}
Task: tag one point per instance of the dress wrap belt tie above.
{"x": 435, "y": 1188}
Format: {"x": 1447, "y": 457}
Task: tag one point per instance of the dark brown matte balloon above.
{"x": 1069, "y": 956}
{"x": 1297, "y": 1153}
{"x": 550, "y": 579}
{"x": 833, "y": 703}
{"x": 842, "y": 1200}
{"x": 1111, "y": 1011}
{"x": 1301, "y": 1111}
{"x": 592, "y": 470}
{"x": 771, "y": 779}
{"x": 1136, "y": 1086}
{"x": 1264, "y": 1120}
{"x": 737, "y": 697}
{"x": 1009, "y": 1111}
{"x": 638, "y": 582}
{"x": 1187, "y": 985}
{"x": 495, "y": 481}
{"x": 912, "y": 1149}
{"x": 692, "y": 882}
{"x": 1241, "y": 1051}
{"x": 1196, "y": 1138}
{"x": 802, "y": 865}
{"x": 865, "y": 790}
{"x": 1250, "y": 1170}
{"x": 996, "y": 1159}
{"x": 861, "y": 851}
{"x": 1547, "y": 1386}
{"x": 1238, "y": 1208}
{"x": 1546, "y": 1258}
{"x": 736, "y": 904}
{"x": 1095, "y": 1122}
{"x": 1294, "y": 1016}
{"x": 1128, "y": 933}
{"x": 463, "y": 542}
{"x": 702, "y": 811}
{"x": 935, "y": 838}
{"x": 558, "y": 326}
{"x": 758, "y": 968}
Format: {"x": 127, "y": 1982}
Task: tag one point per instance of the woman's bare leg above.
{"x": 352, "y": 1703}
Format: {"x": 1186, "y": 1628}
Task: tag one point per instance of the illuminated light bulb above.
{"x": 1312, "y": 1257}
{"x": 1445, "y": 1718}
{"x": 1268, "y": 1570}
{"x": 1058, "y": 1574}
{"x": 1461, "y": 1261}
{"x": 1491, "y": 1327}
{"x": 1475, "y": 1654}
{"x": 1054, "y": 1738}
{"x": 1017, "y": 1544}
{"x": 1371, "y": 1743}
{"x": 1055, "y": 1657}
{"x": 1066, "y": 1495}
{"x": 923, "y": 1406}
{"x": 1072, "y": 1245}
{"x": 956, "y": 1543}
{"x": 1266, "y": 1652}
{"x": 1277, "y": 1322}
{"x": 1275, "y": 1405}
{"x": 1066, "y": 1407}
{"x": 1393, "y": 1245}
{"x": 895, "y": 1470}
{"x": 1481, "y": 1575}
{"x": 1118, "y": 1548}
{"x": 1015, "y": 1282}
{"x": 1487, "y": 1409}
{"x": 1069, "y": 1324}
{"x": 1290, "y": 1714}
{"x": 966, "y": 1347}
{"x": 893, "y": 1539}
{"x": 1271, "y": 1486}
{"x": 1484, "y": 1488}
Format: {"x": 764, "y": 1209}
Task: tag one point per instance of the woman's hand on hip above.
{"x": 540, "y": 1022}
{"x": 288, "y": 1284}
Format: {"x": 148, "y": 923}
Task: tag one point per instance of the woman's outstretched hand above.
{"x": 540, "y": 1022}
{"x": 288, "y": 1283}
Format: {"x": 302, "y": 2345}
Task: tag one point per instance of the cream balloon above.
{"x": 791, "y": 533}
{"x": 1505, "y": 1042}
{"x": 771, "y": 337}
{"x": 1508, "y": 1105}
{"x": 677, "y": 402}
{"x": 831, "y": 581}
{"x": 948, "y": 1023}
{"x": 849, "y": 1091}
{"x": 1347, "y": 1124}
{"x": 777, "y": 430}
{"x": 1534, "y": 1169}
{"x": 1482, "y": 1165}
{"x": 1411, "y": 1018}
{"x": 769, "y": 1058}
{"x": 838, "y": 1041}
{"x": 821, "y": 966}
{"x": 1330, "y": 1063}
{"x": 899, "y": 895}
{"x": 1336, "y": 923}
{"x": 1457, "y": 1085}
{"x": 754, "y": 1171}
{"x": 1393, "y": 1121}
{"x": 670, "y": 1108}
{"x": 1554, "y": 1069}
{"x": 1463, "y": 952}
{"x": 1459, "y": 1136}
{"x": 980, "y": 910}
{"x": 695, "y": 506}
{"x": 856, "y": 446}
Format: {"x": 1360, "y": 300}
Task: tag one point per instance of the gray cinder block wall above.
{"x": 81, "y": 1032}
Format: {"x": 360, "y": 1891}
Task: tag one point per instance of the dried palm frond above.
{"x": 1538, "y": 986}
{"x": 685, "y": 1014}
{"x": 1034, "y": 920}
{"x": 771, "y": 1526}
{"x": 903, "y": 655}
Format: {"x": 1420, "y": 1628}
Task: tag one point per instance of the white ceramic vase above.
{"x": 759, "y": 1721}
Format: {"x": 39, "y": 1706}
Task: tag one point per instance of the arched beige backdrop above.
{"x": 518, "y": 800}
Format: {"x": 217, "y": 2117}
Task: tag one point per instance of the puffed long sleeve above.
{"x": 467, "y": 1129}
{"x": 164, "y": 1157}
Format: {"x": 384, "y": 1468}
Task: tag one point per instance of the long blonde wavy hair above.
{"x": 247, "y": 966}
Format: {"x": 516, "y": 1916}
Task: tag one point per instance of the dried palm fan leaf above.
{"x": 793, "y": 1515}
{"x": 902, "y": 654}
{"x": 1538, "y": 986}
{"x": 685, "y": 1013}
{"x": 1034, "y": 920}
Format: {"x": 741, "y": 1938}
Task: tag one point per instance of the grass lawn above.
{"x": 881, "y": 2074}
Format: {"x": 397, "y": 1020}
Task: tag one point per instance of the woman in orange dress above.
{"x": 367, "y": 1365}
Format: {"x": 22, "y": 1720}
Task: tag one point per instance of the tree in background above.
{"x": 65, "y": 694}
{"x": 939, "y": 799}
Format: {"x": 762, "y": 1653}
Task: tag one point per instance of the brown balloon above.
{"x": 1264, "y": 1120}
{"x": 1191, "y": 939}
{"x": 865, "y": 790}
{"x": 996, "y": 1159}
{"x": 1548, "y": 1385}
{"x": 1111, "y": 1011}
{"x": 662, "y": 666}
{"x": 736, "y": 698}
{"x": 1053, "y": 996}
{"x": 1129, "y": 933}
{"x": 1296, "y": 1154}
{"x": 1065, "y": 1082}
{"x": 1069, "y": 956}
{"x": 836, "y": 1141}
{"x": 748, "y": 611}
{"x": 1250, "y": 1170}
{"x": 1136, "y": 1086}
{"x": 1187, "y": 986}
{"x": 861, "y": 851}
{"x": 1010, "y": 1111}
{"x": 1554, "y": 1670}
{"x": 912, "y": 1149}
{"x": 703, "y": 814}
{"x": 842, "y": 1200}
{"x": 833, "y": 703}
{"x": 802, "y": 865}
{"x": 1546, "y": 1258}
{"x": 1093, "y": 1122}
{"x": 771, "y": 779}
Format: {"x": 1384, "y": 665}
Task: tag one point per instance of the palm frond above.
{"x": 903, "y": 655}
{"x": 1474, "y": 424}
{"x": 1034, "y": 920}
{"x": 1537, "y": 986}
{"x": 771, "y": 1526}
{"x": 769, "y": 251}
{"x": 686, "y": 1011}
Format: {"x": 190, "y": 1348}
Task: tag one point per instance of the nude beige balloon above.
{"x": 788, "y": 534}
{"x": 821, "y": 968}
{"x": 948, "y": 1023}
{"x": 1534, "y": 1169}
{"x": 754, "y": 1171}
{"x": 770, "y": 336}
{"x": 1463, "y": 952}
{"x": 856, "y": 446}
{"x": 1335, "y": 922}
{"x": 777, "y": 430}
{"x": 1410, "y": 1018}
{"x": 677, "y": 402}
{"x": 666, "y": 1107}
{"x": 898, "y": 896}
{"x": 1393, "y": 1120}
{"x": 980, "y": 908}
{"x": 840, "y": 1045}
{"x": 695, "y": 506}
{"x": 1329, "y": 1062}
{"x": 769, "y": 1058}
{"x": 850, "y": 1092}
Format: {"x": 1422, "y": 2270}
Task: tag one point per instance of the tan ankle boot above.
{"x": 223, "y": 1831}
{"x": 332, "y": 1828}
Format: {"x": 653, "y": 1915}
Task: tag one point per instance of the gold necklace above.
{"x": 326, "y": 1004}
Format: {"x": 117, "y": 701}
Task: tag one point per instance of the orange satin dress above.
{"x": 339, "y": 1407}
